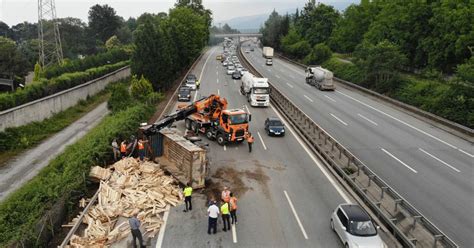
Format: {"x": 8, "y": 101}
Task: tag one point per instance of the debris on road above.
{"x": 133, "y": 188}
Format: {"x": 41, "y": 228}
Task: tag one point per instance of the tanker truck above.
{"x": 320, "y": 77}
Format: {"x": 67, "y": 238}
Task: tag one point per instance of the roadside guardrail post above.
{"x": 384, "y": 188}
{"x": 371, "y": 177}
{"x": 415, "y": 220}
{"x": 397, "y": 202}
{"x": 437, "y": 238}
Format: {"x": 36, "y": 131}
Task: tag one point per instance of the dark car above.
{"x": 184, "y": 94}
{"x": 236, "y": 75}
{"x": 274, "y": 126}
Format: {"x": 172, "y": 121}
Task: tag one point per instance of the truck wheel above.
{"x": 209, "y": 134}
{"x": 188, "y": 123}
{"x": 220, "y": 139}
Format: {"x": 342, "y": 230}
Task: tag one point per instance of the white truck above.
{"x": 267, "y": 52}
{"x": 320, "y": 77}
{"x": 257, "y": 90}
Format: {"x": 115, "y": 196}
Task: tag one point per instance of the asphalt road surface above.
{"x": 28, "y": 164}
{"x": 285, "y": 198}
{"x": 429, "y": 167}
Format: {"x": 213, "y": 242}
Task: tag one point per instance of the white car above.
{"x": 355, "y": 227}
{"x": 225, "y": 63}
{"x": 230, "y": 69}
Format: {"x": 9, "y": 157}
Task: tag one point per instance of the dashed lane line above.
{"x": 337, "y": 118}
{"x": 398, "y": 160}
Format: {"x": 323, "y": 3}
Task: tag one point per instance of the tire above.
{"x": 220, "y": 139}
{"x": 346, "y": 245}
{"x": 188, "y": 124}
{"x": 209, "y": 134}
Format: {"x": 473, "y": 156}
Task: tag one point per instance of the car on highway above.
{"x": 247, "y": 51}
{"x": 268, "y": 62}
{"x": 225, "y": 62}
{"x": 274, "y": 127}
{"x": 236, "y": 75}
{"x": 252, "y": 49}
{"x": 354, "y": 227}
{"x": 184, "y": 94}
{"x": 230, "y": 69}
{"x": 191, "y": 81}
{"x": 242, "y": 71}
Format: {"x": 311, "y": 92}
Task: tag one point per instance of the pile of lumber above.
{"x": 133, "y": 188}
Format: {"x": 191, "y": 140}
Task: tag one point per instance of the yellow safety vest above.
{"x": 225, "y": 208}
{"x": 188, "y": 191}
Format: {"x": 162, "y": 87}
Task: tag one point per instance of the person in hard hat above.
{"x": 123, "y": 149}
{"x": 213, "y": 213}
{"x": 188, "y": 191}
{"x": 198, "y": 84}
{"x": 141, "y": 149}
{"x": 225, "y": 195}
{"x": 250, "y": 141}
{"x": 233, "y": 208}
{"x": 225, "y": 216}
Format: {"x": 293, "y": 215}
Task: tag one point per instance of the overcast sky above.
{"x": 16, "y": 11}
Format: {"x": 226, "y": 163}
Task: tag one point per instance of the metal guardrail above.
{"x": 403, "y": 220}
{"x": 456, "y": 127}
{"x": 94, "y": 198}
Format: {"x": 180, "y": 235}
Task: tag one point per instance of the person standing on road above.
{"x": 141, "y": 149}
{"x": 225, "y": 196}
{"x": 233, "y": 208}
{"x": 123, "y": 149}
{"x": 225, "y": 216}
{"x": 250, "y": 140}
{"x": 188, "y": 191}
{"x": 213, "y": 213}
{"x": 197, "y": 84}
{"x": 136, "y": 234}
{"x": 115, "y": 149}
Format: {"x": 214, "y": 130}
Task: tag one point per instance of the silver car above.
{"x": 355, "y": 227}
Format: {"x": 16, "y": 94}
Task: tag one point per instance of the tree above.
{"x": 380, "y": 63}
{"x": 319, "y": 54}
{"x": 112, "y": 42}
{"x": 103, "y": 21}
{"x": 465, "y": 72}
{"x": 120, "y": 98}
{"x": 74, "y": 39}
{"x": 141, "y": 88}
{"x": 274, "y": 29}
{"x": 38, "y": 72}
{"x": 24, "y": 31}
{"x": 316, "y": 22}
{"x": 8, "y": 56}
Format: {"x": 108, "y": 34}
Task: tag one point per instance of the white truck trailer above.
{"x": 257, "y": 90}
{"x": 267, "y": 52}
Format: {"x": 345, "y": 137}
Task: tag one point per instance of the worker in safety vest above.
{"x": 225, "y": 216}
{"x": 188, "y": 191}
{"x": 233, "y": 208}
{"x": 198, "y": 84}
{"x": 141, "y": 148}
{"x": 123, "y": 149}
{"x": 250, "y": 140}
{"x": 225, "y": 196}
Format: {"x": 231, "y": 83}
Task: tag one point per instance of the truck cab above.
{"x": 257, "y": 90}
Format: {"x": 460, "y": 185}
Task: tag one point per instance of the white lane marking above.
{"x": 269, "y": 70}
{"x": 401, "y": 162}
{"x": 225, "y": 148}
{"x": 161, "y": 234}
{"x": 439, "y": 160}
{"x": 367, "y": 119}
{"x": 247, "y": 108}
{"x": 195, "y": 95}
{"x": 470, "y": 155}
{"x": 309, "y": 99}
{"x": 337, "y": 118}
{"x": 330, "y": 98}
{"x": 417, "y": 129}
{"x": 263, "y": 143}
{"x": 234, "y": 81}
{"x": 291, "y": 76}
{"x": 217, "y": 80}
{"x": 315, "y": 160}
{"x": 277, "y": 76}
{"x": 239, "y": 92}
{"x": 291, "y": 86}
{"x": 234, "y": 234}
{"x": 296, "y": 215}
{"x": 218, "y": 92}
{"x": 217, "y": 73}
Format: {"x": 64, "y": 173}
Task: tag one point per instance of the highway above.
{"x": 286, "y": 199}
{"x": 429, "y": 167}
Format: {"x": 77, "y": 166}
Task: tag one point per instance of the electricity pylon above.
{"x": 50, "y": 49}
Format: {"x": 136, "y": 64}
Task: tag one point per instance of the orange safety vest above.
{"x": 250, "y": 139}
{"x": 123, "y": 147}
{"x": 233, "y": 203}
{"x": 141, "y": 146}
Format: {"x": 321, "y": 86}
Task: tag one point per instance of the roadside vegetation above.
{"x": 65, "y": 176}
{"x": 418, "y": 52}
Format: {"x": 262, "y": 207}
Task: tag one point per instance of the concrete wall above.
{"x": 46, "y": 107}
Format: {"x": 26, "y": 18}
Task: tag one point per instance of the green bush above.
{"x": 120, "y": 98}
{"x": 44, "y": 87}
{"x": 318, "y": 55}
{"x": 344, "y": 70}
{"x": 109, "y": 57}
{"x": 140, "y": 88}
{"x": 21, "y": 211}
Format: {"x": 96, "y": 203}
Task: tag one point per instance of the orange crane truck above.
{"x": 209, "y": 115}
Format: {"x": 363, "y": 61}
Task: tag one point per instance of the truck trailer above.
{"x": 257, "y": 90}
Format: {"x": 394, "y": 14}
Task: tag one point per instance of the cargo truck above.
{"x": 257, "y": 90}
{"x": 320, "y": 77}
{"x": 267, "y": 52}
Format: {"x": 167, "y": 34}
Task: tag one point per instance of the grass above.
{"x": 16, "y": 140}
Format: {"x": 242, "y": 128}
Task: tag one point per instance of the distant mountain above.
{"x": 256, "y": 21}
